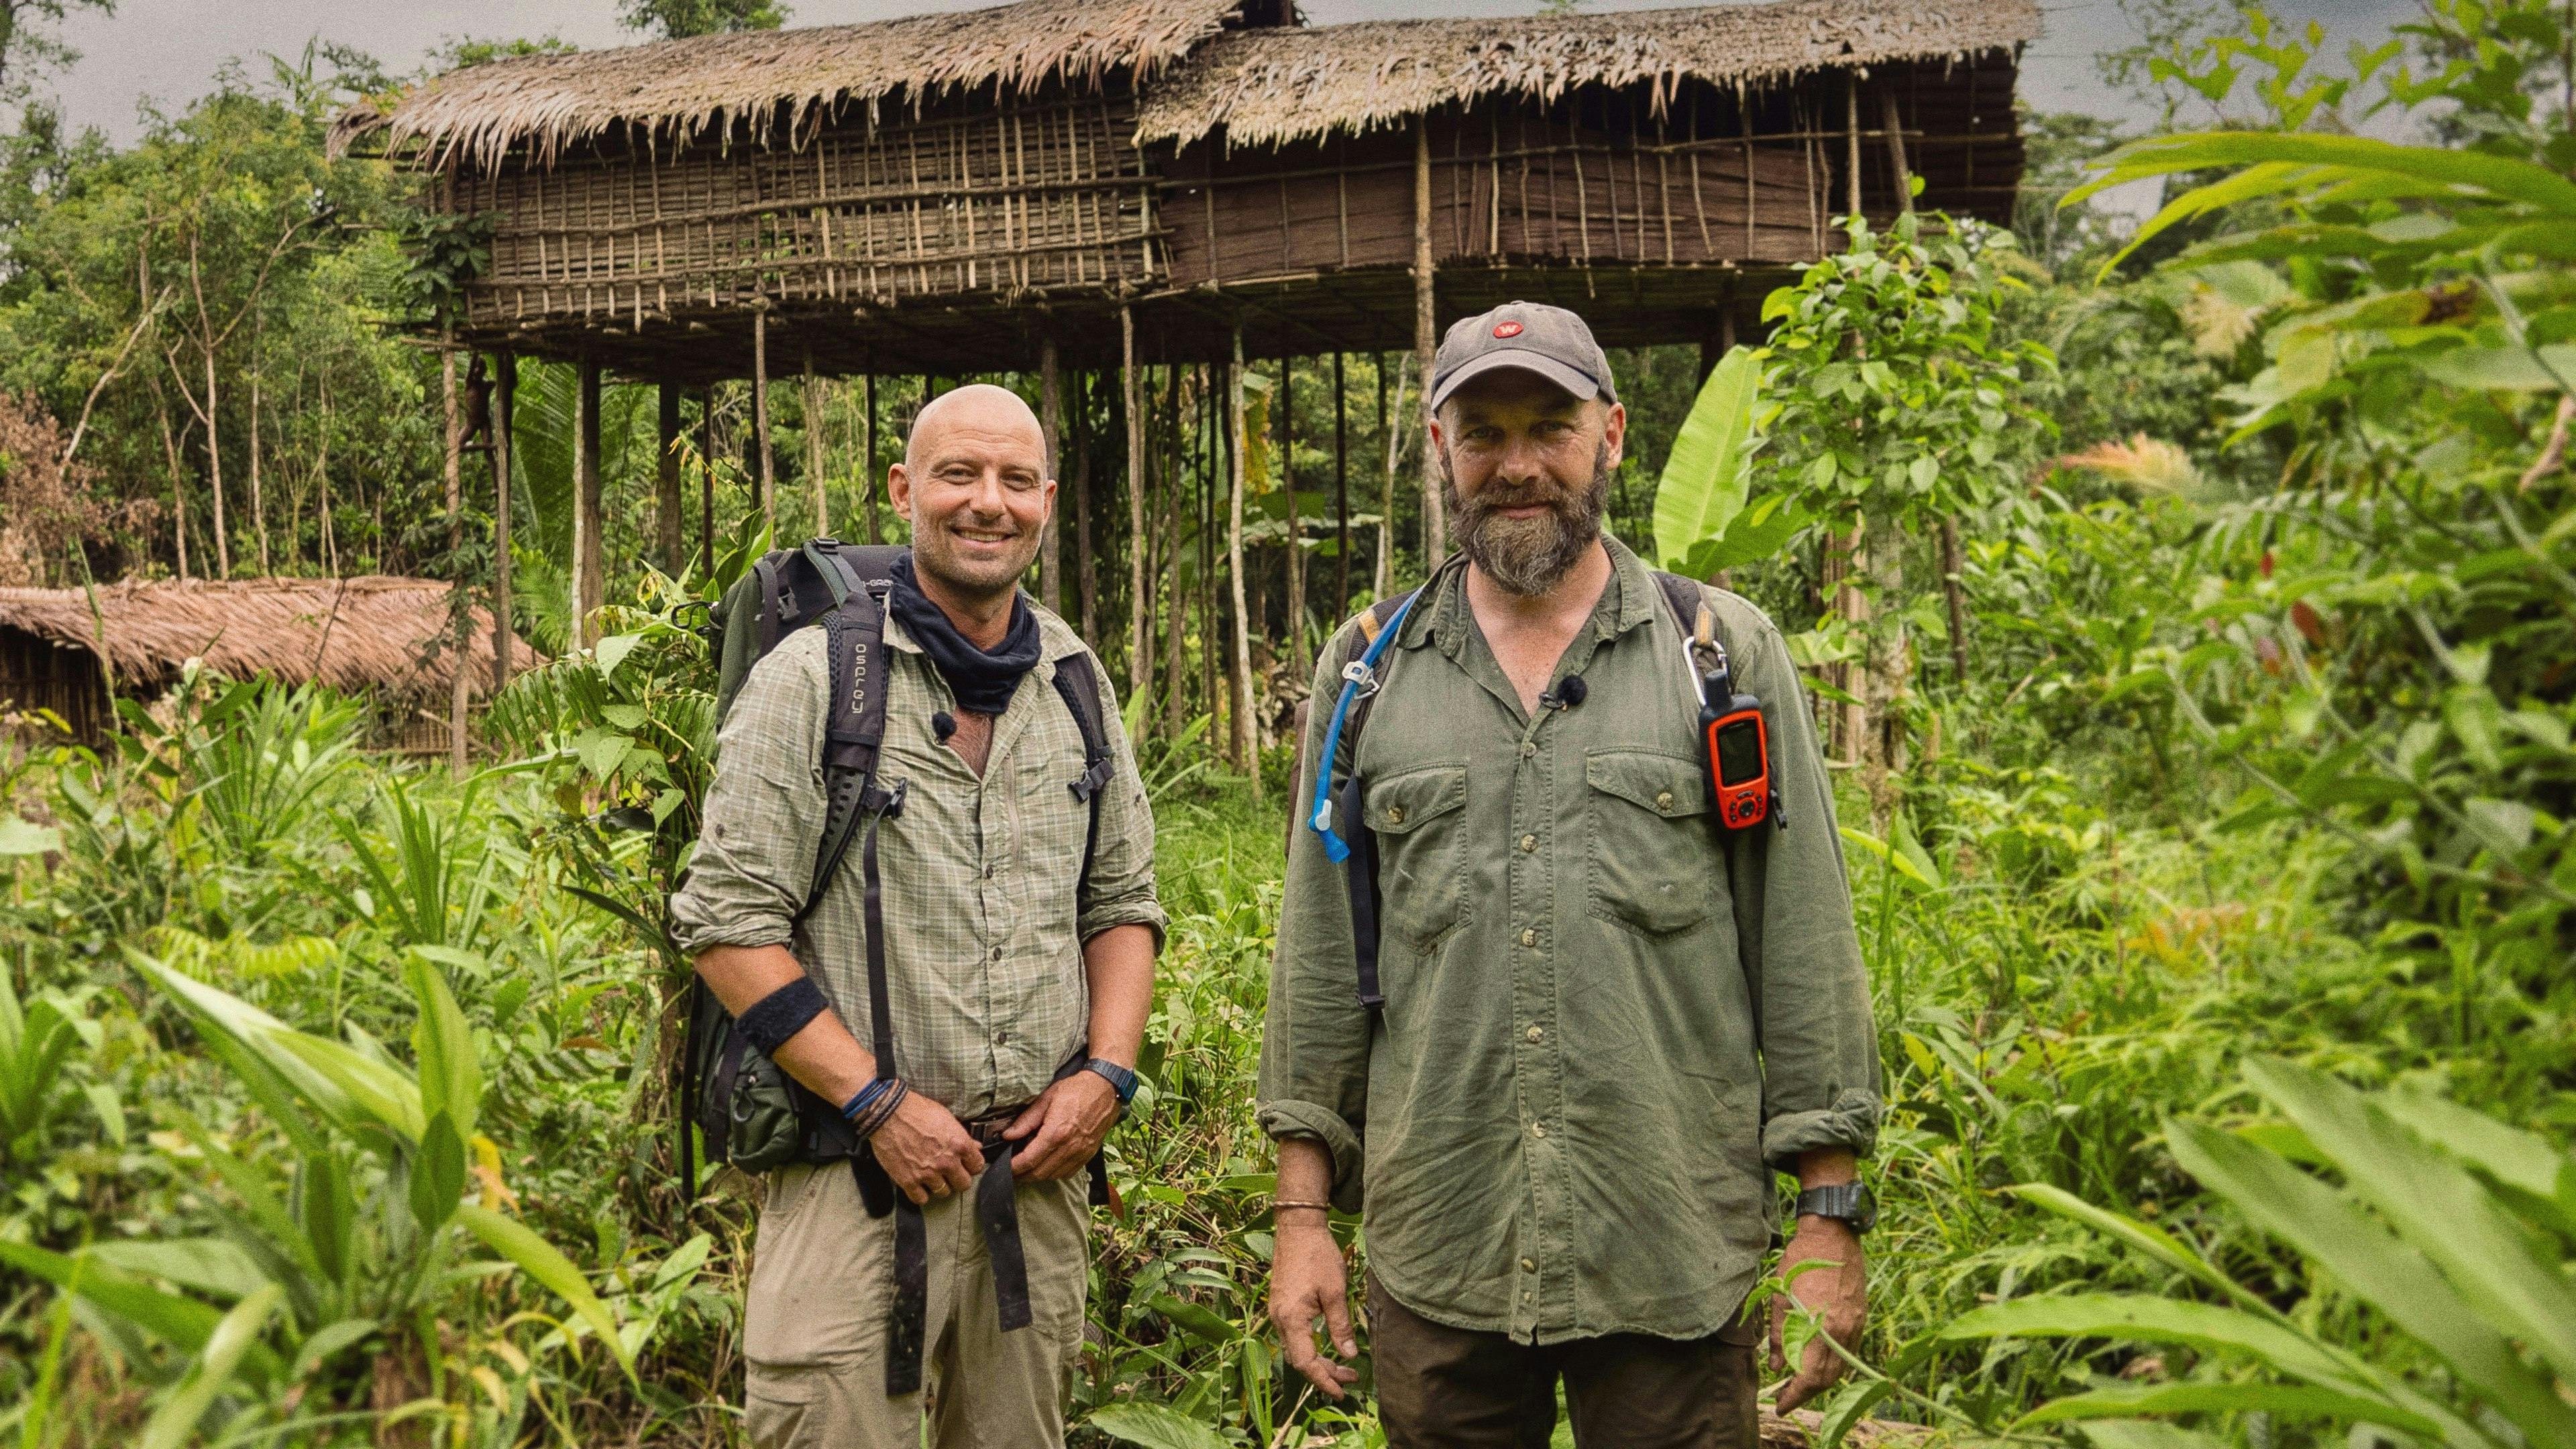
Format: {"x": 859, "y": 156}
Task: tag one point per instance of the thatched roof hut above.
{"x": 1265, "y": 88}
{"x": 758, "y": 85}
{"x": 64, "y": 649}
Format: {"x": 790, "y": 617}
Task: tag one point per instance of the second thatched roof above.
{"x": 374, "y": 634}
{"x": 675, "y": 90}
{"x": 1267, "y": 87}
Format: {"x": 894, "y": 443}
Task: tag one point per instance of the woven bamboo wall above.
{"x": 1015, "y": 201}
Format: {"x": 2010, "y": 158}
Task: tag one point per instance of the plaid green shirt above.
{"x": 1605, "y": 1024}
{"x": 986, "y": 911}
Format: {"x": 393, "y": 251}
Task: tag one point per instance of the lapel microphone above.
{"x": 1567, "y": 694}
{"x": 943, "y": 724}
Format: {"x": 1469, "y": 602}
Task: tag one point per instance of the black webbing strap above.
{"x": 997, "y": 1212}
{"x": 854, "y": 732}
{"x": 772, "y": 608}
{"x": 1362, "y": 864}
{"x": 1080, "y": 687}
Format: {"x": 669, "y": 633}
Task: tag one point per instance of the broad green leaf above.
{"x": 2289, "y": 1401}
{"x": 25, "y": 837}
{"x": 437, "y": 1173}
{"x": 2155, "y": 1242}
{"x": 1762, "y": 529}
{"x": 2434, "y": 1204}
{"x": 328, "y": 1341}
{"x": 233, "y": 1339}
{"x": 183, "y": 1323}
{"x": 2202, "y": 1326}
{"x": 451, "y": 1078}
{"x": 214, "y": 1266}
{"x": 378, "y": 1094}
{"x": 2146, "y": 1434}
{"x": 1703, "y": 483}
{"x": 2504, "y": 369}
{"x": 2520, "y": 1161}
{"x": 2454, "y": 169}
{"x": 1154, "y": 1426}
{"x": 610, "y": 652}
{"x": 536, "y": 1257}
{"x": 1197, "y": 1321}
{"x": 2372, "y": 1264}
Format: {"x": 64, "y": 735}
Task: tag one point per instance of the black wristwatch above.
{"x": 1118, "y": 1077}
{"x": 1851, "y": 1203}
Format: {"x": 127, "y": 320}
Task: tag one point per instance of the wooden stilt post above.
{"x": 760, "y": 415}
{"x": 589, "y": 583}
{"x": 1247, "y": 756}
{"x": 1181, "y": 499}
{"x": 872, "y": 481}
{"x": 666, "y": 482}
{"x": 707, "y": 481}
{"x": 814, "y": 450}
{"x": 1426, "y": 337}
{"x": 505, "y": 396}
{"x": 1297, "y": 659}
{"x": 1896, "y": 151}
{"x": 460, "y": 684}
{"x": 1383, "y": 582}
{"x": 1051, "y": 428}
{"x": 1086, "y": 568}
{"x": 1140, "y": 624}
{"x": 1851, "y": 143}
{"x": 1341, "y": 493}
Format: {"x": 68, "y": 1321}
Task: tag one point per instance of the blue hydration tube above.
{"x": 1359, "y": 680}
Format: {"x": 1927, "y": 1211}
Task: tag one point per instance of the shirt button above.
{"x": 1537, "y": 1035}
{"x": 1395, "y": 815}
{"x": 1529, "y": 938}
{"x": 1528, "y": 843}
{"x": 1001, "y": 1038}
{"x": 1538, "y": 1129}
{"x": 1529, "y": 1265}
{"x": 1664, "y": 801}
{"x": 997, "y": 953}
{"x": 1529, "y": 749}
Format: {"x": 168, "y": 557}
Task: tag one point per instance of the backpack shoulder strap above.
{"x": 854, "y": 730}
{"x": 1373, "y": 622}
{"x": 1079, "y": 683}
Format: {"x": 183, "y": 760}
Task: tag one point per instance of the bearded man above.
{"x": 1586, "y": 1023}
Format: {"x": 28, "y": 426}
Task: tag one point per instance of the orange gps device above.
{"x": 1737, "y": 744}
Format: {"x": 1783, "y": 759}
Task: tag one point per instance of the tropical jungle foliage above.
{"x": 2191, "y": 600}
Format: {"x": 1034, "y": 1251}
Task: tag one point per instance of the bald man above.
{"x": 1019, "y": 981}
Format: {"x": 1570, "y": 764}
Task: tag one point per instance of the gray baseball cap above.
{"x": 1530, "y": 336}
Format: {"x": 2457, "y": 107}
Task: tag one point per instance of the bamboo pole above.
{"x": 1435, "y": 534}
{"x": 1383, "y": 582}
{"x": 1851, "y": 143}
{"x": 459, "y": 687}
{"x": 1247, "y": 756}
{"x": 666, "y": 482}
{"x": 1086, "y": 569}
{"x": 760, "y": 415}
{"x": 814, "y": 450}
{"x": 871, "y": 482}
{"x": 1140, "y": 624}
{"x": 1341, "y": 493}
{"x": 1051, "y": 429}
{"x": 707, "y": 481}
{"x": 1181, "y": 497}
{"x": 1896, "y": 151}
{"x": 589, "y": 585}
{"x": 1297, "y": 659}
{"x": 505, "y": 398}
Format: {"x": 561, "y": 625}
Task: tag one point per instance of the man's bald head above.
{"x": 973, "y": 483}
{"x": 979, "y": 406}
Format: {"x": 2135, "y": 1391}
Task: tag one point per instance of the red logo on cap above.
{"x": 1507, "y": 329}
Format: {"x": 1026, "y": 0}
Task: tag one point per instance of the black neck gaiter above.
{"x": 982, "y": 682}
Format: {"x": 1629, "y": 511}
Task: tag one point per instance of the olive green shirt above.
{"x": 1604, "y": 1024}
{"x": 986, "y": 905}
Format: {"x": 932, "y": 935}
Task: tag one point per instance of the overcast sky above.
{"x": 169, "y": 50}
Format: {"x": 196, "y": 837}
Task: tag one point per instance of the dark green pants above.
{"x": 1456, "y": 1388}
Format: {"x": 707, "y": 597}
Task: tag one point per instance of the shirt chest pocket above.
{"x": 1651, "y": 866}
{"x": 1417, "y": 817}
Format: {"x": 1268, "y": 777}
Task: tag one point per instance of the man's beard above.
{"x": 1528, "y": 556}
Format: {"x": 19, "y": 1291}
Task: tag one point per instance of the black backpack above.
{"x": 751, "y": 1113}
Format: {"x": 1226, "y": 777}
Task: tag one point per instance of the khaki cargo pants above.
{"x": 814, "y": 1329}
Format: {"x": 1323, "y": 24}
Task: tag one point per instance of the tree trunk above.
{"x": 1140, "y": 622}
{"x": 258, "y": 505}
{"x": 1297, "y": 659}
{"x": 1849, "y": 718}
{"x": 667, "y": 521}
{"x": 1175, "y": 680}
{"x": 178, "y": 481}
{"x": 1896, "y": 152}
{"x": 871, "y": 481}
{"x": 1086, "y": 568}
{"x": 1851, "y": 138}
{"x": 1247, "y": 755}
{"x": 1426, "y": 340}
{"x": 459, "y": 687}
{"x": 215, "y": 469}
{"x": 707, "y": 481}
{"x": 1341, "y": 494}
{"x": 760, "y": 417}
{"x": 505, "y": 398}
{"x": 814, "y": 480}
{"x": 1382, "y": 579}
{"x": 1954, "y": 593}
{"x": 322, "y": 469}
{"x": 589, "y": 557}
{"x": 1051, "y": 432}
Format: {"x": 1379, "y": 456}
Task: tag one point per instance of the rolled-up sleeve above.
{"x": 1315, "y": 1042}
{"x": 1818, "y": 1036}
{"x": 764, "y": 812}
{"x": 1119, "y": 891}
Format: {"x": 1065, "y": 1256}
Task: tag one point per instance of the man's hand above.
{"x": 926, "y": 1151}
{"x": 1063, "y": 1128}
{"x": 1840, "y": 1295}
{"x": 1308, "y": 1281}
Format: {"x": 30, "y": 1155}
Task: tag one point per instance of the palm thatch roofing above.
{"x": 382, "y": 635}
{"x": 1268, "y": 87}
{"x": 677, "y": 90}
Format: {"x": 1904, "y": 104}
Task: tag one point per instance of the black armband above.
{"x": 781, "y": 1014}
